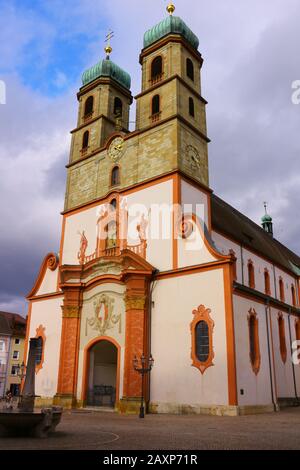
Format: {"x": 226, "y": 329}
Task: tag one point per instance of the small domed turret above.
{"x": 267, "y": 221}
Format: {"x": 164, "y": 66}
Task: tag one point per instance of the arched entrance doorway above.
{"x": 102, "y": 383}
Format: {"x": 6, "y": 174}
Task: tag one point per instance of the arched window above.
{"x": 155, "y": 105}
{"x": 115, "y": 176}
{"x": 85, "y": 140}
{"x": 118, "y": 107}
{"x": 251, "y": 275}
{"x": 282, "y": 342}
{"x": 202, "y": 345}
{"x": 190, "y": 69}
{"x": 281, "y": 290}
{"x": 88, "y": 107}
{"x": 113, "y": 204}
{"x": 293, "y": 291}
{"x": 267, "y": 282}
{"x": 254, "y": 350}
{"x": 202, "y": 341}
{"x": 156, "y": 69}
{"x": 191, "y": 107}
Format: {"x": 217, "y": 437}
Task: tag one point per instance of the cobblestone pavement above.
{"x": 109, "y": 431}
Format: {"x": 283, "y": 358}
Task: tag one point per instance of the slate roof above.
{"x": 229, "y": 221}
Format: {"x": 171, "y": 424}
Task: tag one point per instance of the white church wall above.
{"x": 174, "y": 381}
{"x": 89, "y": 332}
{"x": 47, "y": 313}
{"x": 288, "y": 281}
{"x": 259, "y": 264}
{"x": 293, "y": 319}
{"x": 284, "y": 371}
{"x": 159, "y": 244}
{"x": 49, "y": 283}
{"x": 190, "y": 195}
{"x": 224, "y": 245}
{"x": 192, "y": 250}
{"x": 256, "y": 388}
{"x": 85, "y": 220}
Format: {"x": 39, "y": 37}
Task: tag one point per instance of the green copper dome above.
{"x": 107, "y": 68}
{"x": 171, "y": 24}
{"x": 266, "y": 218}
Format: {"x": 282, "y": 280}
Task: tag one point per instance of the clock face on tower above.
{"x": 116, "y": 149}
{"x": 193, "y": 157}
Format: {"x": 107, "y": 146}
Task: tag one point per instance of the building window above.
{"x": 281, "y": 290}
{"x": 113, "y": 204}
{"x": 14, "y": 370}
{"x": 155, "y": 108}
{"x": 115, "y": 176}
{"x": 267, "y": 282}
{"x": 254, "y": 350}
{"x": 85, "y": 140}
{"x": 156, "y": 70}
{"x": 202, "y": 341}
{"x": 39, "y": 351}
{"x": 2, "y": 346}
{"x": 17, "y": 341}
{"x": 16, "y": 355}
{"x": 251, "y": 275}
{"x": 88, "y": 107}
{"x": 282, "y": 342}
{"x": 202, "y": 345}
{"x": 118, "y": 107}
{"x": 191, "y": 107}
{"x": 293, "y": 291}
{"x": 190, "y": 69}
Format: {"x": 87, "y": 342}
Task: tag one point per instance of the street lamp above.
{"x": 146, "y": 365}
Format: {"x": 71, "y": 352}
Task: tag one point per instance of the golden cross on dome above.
{"x": 108, "y": 48}
{"x": 171, "y": 8}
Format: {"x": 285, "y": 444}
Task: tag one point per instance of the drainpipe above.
{"x": 293, "y": 365}
{"x": 267, "y": 308}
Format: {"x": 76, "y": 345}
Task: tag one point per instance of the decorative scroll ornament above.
{"x": 104, "y": 318}
{"x": 52, "y": 262}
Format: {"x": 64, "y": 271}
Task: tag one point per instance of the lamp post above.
{"x": 21, "y": 373}
{"x": 143, "y": 367}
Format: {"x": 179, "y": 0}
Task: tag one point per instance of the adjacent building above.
{"x": 12, "y": 340}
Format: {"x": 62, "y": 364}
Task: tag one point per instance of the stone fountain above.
{"x": 26, "y": 420}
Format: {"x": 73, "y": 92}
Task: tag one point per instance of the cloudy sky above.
{"x": 251, "y": 53}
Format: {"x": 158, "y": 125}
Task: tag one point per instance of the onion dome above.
{"x": 107, "y": 68}
{"x": 171, "y": 24}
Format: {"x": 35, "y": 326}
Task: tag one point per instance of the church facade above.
{"x": 151, "y": 261}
